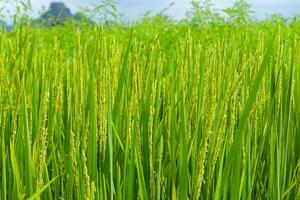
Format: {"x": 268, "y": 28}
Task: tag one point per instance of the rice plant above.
{"x": 160, "y": 112}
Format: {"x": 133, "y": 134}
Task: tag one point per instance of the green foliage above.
{"x": 240, "y": 13}
{"x": 203, "y": 14}
{"x": 157, "y": 109}
{"x": 168, "y": 112}
{"x": 276, "y": 19}
{"x": 106, "y": 13}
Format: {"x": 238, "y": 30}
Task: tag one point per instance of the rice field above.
{"x": 166, "y": 112}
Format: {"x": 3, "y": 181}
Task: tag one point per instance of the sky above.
{"x": 133, "y": 9}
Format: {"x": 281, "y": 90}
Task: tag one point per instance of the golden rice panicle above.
{"x": 102, "y": 112}
{"x": 201, "y": 154}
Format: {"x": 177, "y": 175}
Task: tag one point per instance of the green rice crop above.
{"x": 169, "y": 112}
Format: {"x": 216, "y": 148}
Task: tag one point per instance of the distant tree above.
{"x": 276, "y": 19}
{"x": 203, "y": 14}
{"x": 240, "y": 13}
{"x": 106, "y": 13}
{"x": 158, "y": 19}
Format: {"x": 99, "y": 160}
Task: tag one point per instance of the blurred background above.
{"x": 130, "y": 10}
